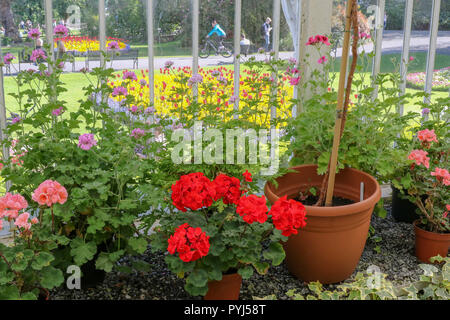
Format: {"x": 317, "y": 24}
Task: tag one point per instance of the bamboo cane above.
{"x": 340, "y": 104}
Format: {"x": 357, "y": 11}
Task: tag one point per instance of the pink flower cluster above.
{"x": 129, "y": 75}
{"x": 34, "y": 33}
{"x": 442, "y": 175}
{"x": 120, "y": 91}
{"x": 86, "y": 141}
{"x": 38, "y": 54}
{"x": 427, "y": 136}
{"x": 50, "y": 192}
{"x": 8, "y": 58}
{"x": 420, "y": 157}
{"x": 58, "y": 111}
{"x": 318, "y": 39}
{"x": 11, "y": 204}
{"x": 196, "y": 78}
{"x": 137, "y": 133}
{"x": 113, "y": 45}
{"x": 61, "y": 31}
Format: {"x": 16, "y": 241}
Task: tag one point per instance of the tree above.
{"x": 7, "y": 20}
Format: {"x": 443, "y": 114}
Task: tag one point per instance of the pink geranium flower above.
{"x": 294, "y": 81}
{"x": 11, "y": 204}
{"x": 322, "y": 60}
{"x": 50, "y": 192}
{"x": 61, "y": 31}
{"x": 137, "y": 133}
{"x": 34, "y": 34}
{"x": 22, "y": 221}
{"x": 38, "y": 54}
{"x": 8, "y": 58}
{"x": 113, "y": 45}
{"x": 420, "y": 157}
{"x": 129, "y": 75}
{"x": 442, "y": 175}
{"x": 318, "y": 39}
{"x": 427, "y": 136}
{"x": 86, "y": 141}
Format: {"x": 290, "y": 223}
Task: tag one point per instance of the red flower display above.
{"x": 247, "y": 176}
{"x": 288, "y": 216}
{"x": 252, "y": 208}
{"x": 193, "y": 191}
{"x": 227, "y": 188}
{"x": 190, "y": 243}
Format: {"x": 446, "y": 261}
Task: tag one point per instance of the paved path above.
{"x": 392, "y": 43}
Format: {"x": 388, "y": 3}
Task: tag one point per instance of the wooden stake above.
{"x": 340, "y": 104}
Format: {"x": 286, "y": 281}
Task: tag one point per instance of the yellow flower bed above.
{"x": 84, "y": 44}
{"x": 173, "y": 95}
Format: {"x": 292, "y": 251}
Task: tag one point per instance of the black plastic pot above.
{"x": 403, "y": 210}
{"x": 91, "y": 277}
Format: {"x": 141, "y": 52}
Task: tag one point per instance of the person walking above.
{"x": 266, "y": 28}
{"x": 219, "y": 31}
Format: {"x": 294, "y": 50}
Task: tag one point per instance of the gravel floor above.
{"x": 395, "y": 258}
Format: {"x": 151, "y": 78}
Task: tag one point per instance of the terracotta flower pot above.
{"x": 430, "y": 244}
{"x": 330, "y": 246}
{"x": 226, "y": 289}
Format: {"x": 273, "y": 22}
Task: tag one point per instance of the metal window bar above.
{"x": 431, "y": 56}
{"x": 407, "y": 25}
{"x": 379, "y": 27}
{"x": 151, "y": 55}
{"x": 237, "y": 52}
{"x": 102, "y": 29}
{"x": 276, "y": 49}
{"x": 195, "y": 36}
{"x": 298, "y": 107}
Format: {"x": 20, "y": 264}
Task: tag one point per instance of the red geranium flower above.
{"x": 193, "y": 191}
{"x": 252, "y": 208}
{"x": 247, "y": 176}
{"x": 190, "y": 243}
{"x": 288, "y": 216}
{"x": 227, "y": 188}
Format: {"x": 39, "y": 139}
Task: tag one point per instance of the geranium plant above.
{"x": 426, "y": 181}
{"x": 26, "y": 266}
{"x": 93, "y": 152}
{"x": 216, "y": 227}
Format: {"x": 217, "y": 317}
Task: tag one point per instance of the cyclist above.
{"x": 220, "y": 33}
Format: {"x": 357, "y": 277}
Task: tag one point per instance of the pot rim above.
{"x": 336, "y": 211}
{"x": 429, "y": 234}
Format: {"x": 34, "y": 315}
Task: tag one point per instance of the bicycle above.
{"x": 212, "y": 48}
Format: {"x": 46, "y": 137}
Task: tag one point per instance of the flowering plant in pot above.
{"x": 426, "y": 182}
{"x": 339, "y": 203}
{"x": 26, "y": 266}
{"x": 89, "y": 149}
{"x": 216, "y": 228}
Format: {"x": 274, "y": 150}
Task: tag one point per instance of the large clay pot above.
{"x": 402, "y": 210}
{"x": 330, "y": 246}
{"x": 226, "y": 289}
{"x": 430, "y": 244}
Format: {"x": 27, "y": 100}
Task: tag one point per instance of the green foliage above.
{"x": 434, "y": 284}
{"x": 416, "y": 182}
{"x": 106, "y": 185}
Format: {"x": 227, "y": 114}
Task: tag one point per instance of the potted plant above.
{"x": 426, "y": 184}
{"x": 89, "y": 150}
{"x": 216, "y": 234}
{"x": 329, "y": 247}
{"x": 26, "y": 266}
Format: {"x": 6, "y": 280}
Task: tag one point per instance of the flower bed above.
{"x": 441, "y": 80}
{"x": 85, "y": 44}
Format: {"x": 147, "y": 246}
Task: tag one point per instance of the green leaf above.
{"x": 198, "y": 278}
{"x": 9, "y": 293}
{"x": 82, "y": 252}
{"x": 275, "y": 253}
{"x": 104, "y": 263}
{"x": 51, "y": 277}
{"x": 246, "y": 272}
{"x": 138, "y": 245}
{"x": 42, "y": 260}
{"x": 141, "y": 265}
